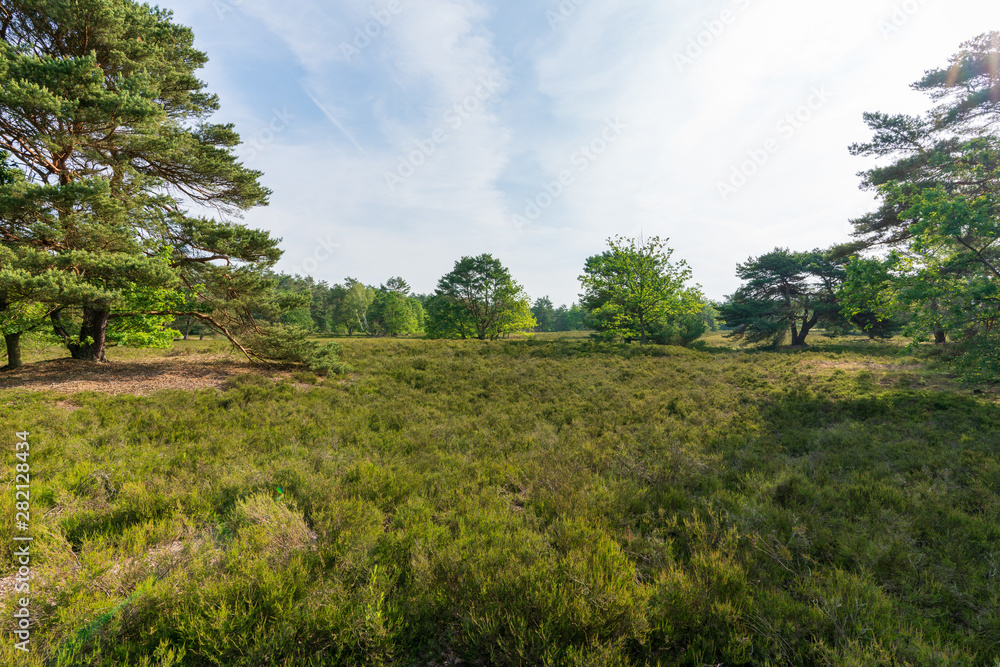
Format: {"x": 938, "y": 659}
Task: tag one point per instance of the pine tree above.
{"x": 783, "y": 292}
{"x": 101, "y": 110}
{"x": 478, "y": 298}
{"x": 939, "y": 185}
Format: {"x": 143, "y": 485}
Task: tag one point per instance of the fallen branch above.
{"x": 204, "y": 318}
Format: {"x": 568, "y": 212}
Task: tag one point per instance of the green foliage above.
{"x": 979, "y": 359}
{"x": 783, "y": 292}
{"x": 755, "y": 320}
{"x": 132, "y": 325}
{"x": 681, "y": 330}
{"x": 516, "y": 317}
{"x": 446, "y": 318}
{"x": 570, "y": 319}
{"x": 317, "y": 306}
{"x": 105, "y": 119}
{"x": 940, "y": 197}
{"x": 478, "y": 298}
{"x": 299, "y": 317}
{"x": 393, "y": 312}
{"x": 357, "y": 301}
{"x": 633, "y": 289}
{"x": 281, "y": 342}
{"x": 881, "y": 306}
{"x": 419, "y": 313}
{"x": 544, "y": 313}
{"x": 551, "y": 319}
{"x": 295, "y": 302}
{"x": 8, "y": 173}
{"x": 711, "y": 317}
{"x": 321, "y": 308}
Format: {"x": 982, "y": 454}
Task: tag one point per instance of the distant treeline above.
{"x": 351, "y": 307}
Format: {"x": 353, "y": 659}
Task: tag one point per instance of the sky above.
{"x": 401, "y": 135}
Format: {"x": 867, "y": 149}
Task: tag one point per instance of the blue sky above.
{"x": 400, "y": 135}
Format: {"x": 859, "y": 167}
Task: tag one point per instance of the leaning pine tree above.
{"x": 784, "y": 292}
{"x": 101, "y": 110}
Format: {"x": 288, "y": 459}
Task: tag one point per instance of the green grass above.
{"x": 38, "y": 348}
{"x": 538, "y": 502}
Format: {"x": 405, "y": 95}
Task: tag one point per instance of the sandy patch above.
{"x": 69, "y": 376}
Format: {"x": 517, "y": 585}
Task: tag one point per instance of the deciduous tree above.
{"x": 357, "y": 301}
{"x": 393, "y": 312}
{"x": 634, "y": 287}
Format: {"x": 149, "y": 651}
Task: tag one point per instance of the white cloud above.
{"x": 690, "y": 128}
{"x": 556, "y": 87}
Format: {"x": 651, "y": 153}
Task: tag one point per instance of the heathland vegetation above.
{"x": 448, "y": 482}
{"x": 523, "y": 502}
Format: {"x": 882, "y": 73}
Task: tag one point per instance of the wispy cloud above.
{"x": 411, "y": 101}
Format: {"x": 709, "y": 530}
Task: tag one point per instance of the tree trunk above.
{"x": 13, "y": 341}
{"x": 93, "y": 333}
{"x": 939, "y": 336}
{"x": 13, "y": 344}
{"x": 187, "y": 329}
{"x": 807, "y": 325}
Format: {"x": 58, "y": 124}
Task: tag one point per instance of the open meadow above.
{"x": 552, "y": 501}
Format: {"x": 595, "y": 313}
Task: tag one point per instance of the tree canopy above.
{"x": 783, "y": 293}
{"x": 478, "y": 299}
{"x": 931, "y": 252}
{"x": 393, "y": 311}
{"x": 104, "y": 117}
{"x": 633, "y": 289}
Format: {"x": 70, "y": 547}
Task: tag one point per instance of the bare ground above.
{"x": 69, "y": 376}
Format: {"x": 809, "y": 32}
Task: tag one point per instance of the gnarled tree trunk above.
{"x": 799, "y": 337}
{"x": 93, "y": 335}
{"x": 13, "y": 341}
